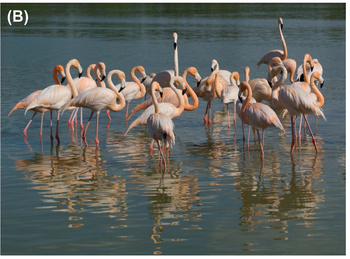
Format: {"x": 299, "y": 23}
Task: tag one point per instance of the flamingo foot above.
{"x": 97, "y": 142}
{"x": 25, "y": 132}
{"x": 81, "y": 126}
{"x": 229, "y": 126}
{"x": 58, "y": 138}
{"x": 292, "y": 146}
{"x": 262, "y": 155}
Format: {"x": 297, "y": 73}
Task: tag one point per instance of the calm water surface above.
{"x": 215, "y": 197}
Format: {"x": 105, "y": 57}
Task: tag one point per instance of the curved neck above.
{"x": 70, "y": 80}
{"x": 319, "y": 95}
{"x": 121, "y": 98}
{"x": 190, "y": 107}
{"x": 215, "y": 85}
{"x": 245, "y": 87}
{"x": 102, "y": 83}
{"x": 137, "y": 81}
{"x": 181, "y": 107}
{"x": 154, "y": 98}
{"x": 275, "y": 87}
{"x": 307, "y": 58}
{"x": 88, "y": 70}
{"x": 285, "y": 52}
{"x": 55, "y": 77}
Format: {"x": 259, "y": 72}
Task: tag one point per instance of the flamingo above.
{"x": 23, "y": 104}
{"x": 54, "y": 96}
{"x": 276, "y": 53}
{"x": 230, "y": 95}
{"x": 317, "y": 95}
{"x": 170, "y": 96}
{"x": 290, "y": 65}
{"x": 99, "y": 98}
{"x": 317, "y": 67}
{"x": 206, "y": 91}
{"x": 164, "y": 77}
{"x": 295, "y": 99}
{"x": 258, "y": 115}
{"x": 167, "y": 108}
{"x": 224, "y": 74}
{"x": 147, "y": 83}
{"x": 160, "y": 126}
{"x": 260, "y": 88}
{"x": 133, "y": 90}
{"x": 238, "y": 111}
{"x": 85, "y": 83}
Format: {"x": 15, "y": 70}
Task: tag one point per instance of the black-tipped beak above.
{"x": 322, "y": 84}
{"x": 80, "y": 74}
{"x": 143, "y": 79}
{"x": 175, "y": 45}
{"x": 211, "y": 69}
{"x": 312, "y": 68}
{"x": 199, "y": 82}
{"x": 62, "y": 80}
{"x": 161, "y": 94}
{"x": 184, "y": 91}
{"x": 103, "y": 77}
{"x": 240, "y": 97}
{"x": 121, "y": 89}
{"x": 270, "y": 84}
{"x": 281, "y": 26}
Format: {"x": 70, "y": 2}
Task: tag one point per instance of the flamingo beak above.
{"x": 240, "y": 96}
{"x": 281, "y": 26}
{"x": 80, "y": 74}
{"x": 199, "y": 82}
{"x": 322, "y": 84}
{"x": 184, "y": 91}
{"x": 121, "y": 89}
{"x": 270, "y": 84}
{"x": 143, "y": 79}
{"x": 161, "y": 94}
{"x": 175, "y": 45}
{"x": 62, "y": 80}
{"x": 103, "y": 77}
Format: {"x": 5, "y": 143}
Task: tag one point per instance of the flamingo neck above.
{"x": 154, "y": 98}
{"x": 194, "y": 105}
{"x": 285, "y": 52}
{"x": 70, "y": 80}
{"x": 121, "y": 98}
{"x": 319, "y": 95}
{"x": 246, "y": 102}
{"x": 275, "y": 88}
{"x": 181, "y": 107}
{"x": 307, "y": 58}
{"x": 176, "y": 61}
{"x": 55, "y": 77}
{"x": 137, "y": 81}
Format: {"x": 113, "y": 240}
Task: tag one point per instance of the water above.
{"x": 215, "y": 197}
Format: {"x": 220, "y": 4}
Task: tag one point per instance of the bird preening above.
{"x": 171, "y": 96}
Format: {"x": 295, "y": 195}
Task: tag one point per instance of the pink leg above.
{"x": 248, "y": 138}
{"x": 234, "y": 116}
{"x": 41, "y": 125}
{"x": 312, "y": 135}
{"x": 263, "y": 135}
{"x": 243, "y": 131}
{"x": 70, "y": 118}
{"x": 51, "y": 136}
{"x": 96, "y": 137}
{"x": 261, "y": 146}
{"x": 81, "y": 119}
{"x": 83, "y": 136}
{"x": 292, "y": 126}
{"x": 57, "y": 125}
{"x": 30, "y": 121}
{"x": 205, "y": 115}
{"x": 209, "y": 114}
{"x": 109, "y": 116}
{"x": 228, "y": 117}
{"x": 127, "y": 109}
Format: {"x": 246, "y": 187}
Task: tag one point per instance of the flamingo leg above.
{"x": 51, "y": 136}
{"x": 57, "y": 126}
{"x": 261, "y": 146}
{"x": 292, "y": 126}
{"x": 316, "y": 125}
{"x": 70, "y": 118}
{"x": 248, "y": 138}
{"x": 205, "y": 115}
{"x": 161, "y": 154}
{"x": 83, "y": 136}
{"x": 312, "y": 135}
{"x": 81, "y": 118}
{"x": 228, "y": 116}
{"x": 109, "y": 116}
{"x": 209, "y": 115}
{"x": 41, "y": 125}
{"x": 127, "y": 109}
{"x": 243, "y": 131}
{"x": 30, "y": 121}
{"x": 234, "y": 115}
{"x": 301, "y": 120}
{"x": 96, "y": 137}
{"x": 263, "y": 136}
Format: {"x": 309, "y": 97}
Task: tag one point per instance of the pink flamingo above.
{"x": 54, "y": 96}
{"x": 23, "y": 104}
{"x": 230, "y": 95}
{"x": 295, "y": 99}
{"x": 224, "y": 74}
{"x": 206, "y": 90}
{"x": 99, "y": 98}
{"x": 170, "y": 96}
{"x": 86, "y": 83}
{"x": 276, "y": 53}
{"x": 258, "y": 115}
{"x": 160, "y": 126}
{"x": 133, "y": 90}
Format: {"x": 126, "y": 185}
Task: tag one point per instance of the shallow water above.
{"x": 215, "y": 197}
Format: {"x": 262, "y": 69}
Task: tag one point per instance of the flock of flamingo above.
{"x": 168, "y": 102}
